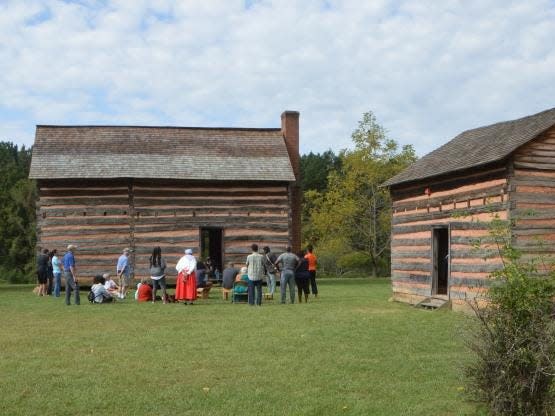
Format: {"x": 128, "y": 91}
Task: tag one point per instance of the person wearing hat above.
{"x": 186, "y": 284}
{"x": 123, "y": 272}
{"x": 70, "y": 275}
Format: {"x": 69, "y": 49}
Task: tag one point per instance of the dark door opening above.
{"x": 211, "y": 247}
{"x": 440, "y": 250}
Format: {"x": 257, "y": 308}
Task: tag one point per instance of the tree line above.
{"x": 18, "y": 196}
{"x": 345, "y": 212}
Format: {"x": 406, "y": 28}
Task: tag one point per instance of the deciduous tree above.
{"x": 356, "y": 209}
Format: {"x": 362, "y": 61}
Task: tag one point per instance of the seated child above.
{"x": 144, "y": 291}
{"x": 101, "y": 295}
{"x": 109, "y": 284}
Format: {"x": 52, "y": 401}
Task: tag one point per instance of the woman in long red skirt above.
{"x": 186, "y": 285}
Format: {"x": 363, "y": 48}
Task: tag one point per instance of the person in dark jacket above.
{"x": 50, "y": 274}
{"x": 302, "y": 277}
{"x": 42, "y": 271}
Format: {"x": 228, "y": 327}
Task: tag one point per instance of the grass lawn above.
{"x": 350, "y": 352}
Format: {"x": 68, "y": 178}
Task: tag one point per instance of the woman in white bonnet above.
{"x": 186, "y": 285}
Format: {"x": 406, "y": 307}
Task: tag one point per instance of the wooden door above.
{"x": 440, "y": 261}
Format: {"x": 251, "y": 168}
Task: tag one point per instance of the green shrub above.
{"x": 514, "y": 342}
{"x": 16, "y": 276}
{"x": 355, "y": 260}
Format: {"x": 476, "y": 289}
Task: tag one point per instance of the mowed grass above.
{"x": 350, "y": 352}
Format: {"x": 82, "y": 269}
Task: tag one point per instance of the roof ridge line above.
{"x": 65, "y": 126}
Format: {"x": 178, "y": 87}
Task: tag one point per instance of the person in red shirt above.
{"x": 144, "y": 291}
{"x": 312, "y": 263}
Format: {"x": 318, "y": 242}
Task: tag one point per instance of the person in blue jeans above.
{"x": 70, "y": 275}
{"x": 256, "y": 272}
{"x": 57, "y": 270}
{"x": 289, "y": 262}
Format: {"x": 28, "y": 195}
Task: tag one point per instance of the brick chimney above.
{"x": 290, "y": 131}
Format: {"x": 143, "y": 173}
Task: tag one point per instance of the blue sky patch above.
{"x": 41, "y": 17}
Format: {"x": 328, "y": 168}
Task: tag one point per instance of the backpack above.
{"x": 91, "y": 297}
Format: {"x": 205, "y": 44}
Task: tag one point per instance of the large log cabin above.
{"x": 443, "y": 204}
{"x": 215, "y": 190}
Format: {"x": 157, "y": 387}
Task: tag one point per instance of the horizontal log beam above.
{"x": 405, "y": 229}
{"x": 411, "y": 254}
{"x": 455, "y": 198}
{"x": 476, "y": 268}
{"x": 453, "y": 214}
{"x": 538, "y": 166}
{"x": 445, "y": 183}
{"x": 423, "y": 267}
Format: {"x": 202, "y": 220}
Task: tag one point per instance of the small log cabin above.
{"x": 215, "y": 190}
{"x": 444, "y": 202}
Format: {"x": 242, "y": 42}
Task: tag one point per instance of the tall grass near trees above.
{"x": 351, "y": 352}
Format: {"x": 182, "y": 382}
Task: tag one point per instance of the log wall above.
{"x": 466, "y": 203}
{"x": 532, "y": 188}
{"x": 103, "y": 217}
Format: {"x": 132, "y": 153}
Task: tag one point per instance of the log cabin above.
{"x": 443, "y": 205}
{"x": 215, "y": 190}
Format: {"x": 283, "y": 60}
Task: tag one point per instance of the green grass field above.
{"x": 350, "y": 352}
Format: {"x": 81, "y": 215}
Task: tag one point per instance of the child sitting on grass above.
{"x": 144, "y": 291}
{"x": 101, "y": 295}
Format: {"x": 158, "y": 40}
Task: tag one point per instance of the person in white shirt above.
{"x": 186, "y": 284}
{"x": 110, "y": 285}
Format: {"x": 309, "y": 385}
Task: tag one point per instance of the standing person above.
{"x": 158, "y": 273}
{"x": 50, "y": 275}
{"x": 186, "y": 285}
{"x": 123, "y": 270}
{"x": 42, "y": 271}
{"x": 312, "y": 263}
{"x": 70, "y": 275}
{"x": 255, "y": 271}
{"x": 57, "y": 271}
{"x": 302, "y": 277}
{"x": 271, "y": 270}
{"x": 289, "y": 263}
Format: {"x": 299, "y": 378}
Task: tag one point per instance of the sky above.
{"x": 427, "y": 69}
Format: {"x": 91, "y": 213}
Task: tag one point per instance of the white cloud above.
{"x": 428, "y": 70}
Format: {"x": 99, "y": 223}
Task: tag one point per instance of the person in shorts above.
{"x": 158, "y": 273}
{"x": 123, "y": 270}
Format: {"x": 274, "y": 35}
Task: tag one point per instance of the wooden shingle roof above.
{"x": 70, "y": 152}
{"x": 477, "y": 147}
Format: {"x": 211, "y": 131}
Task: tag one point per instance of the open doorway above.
{"x": 440, "y": 259}
{"x": 211, "y": 246}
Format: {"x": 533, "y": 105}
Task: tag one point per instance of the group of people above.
{"x": 48, "y": 273}
{"x": 50, "y": 269}
{"x": 295, "y": 271}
